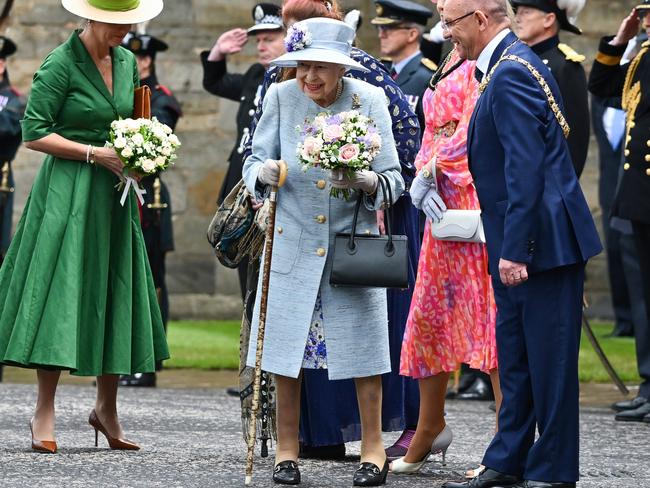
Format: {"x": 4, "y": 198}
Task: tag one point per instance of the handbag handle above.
{"x": 382, "y": 183}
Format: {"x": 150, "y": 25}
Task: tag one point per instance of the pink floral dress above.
{"x": 452, "y": 315}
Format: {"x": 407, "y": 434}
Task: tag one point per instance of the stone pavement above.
{"x": 192, "y": 438}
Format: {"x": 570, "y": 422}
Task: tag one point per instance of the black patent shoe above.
{"x": 636, "y": 415}
{"x": 286, "y": 473}
{"x": 369, "y": 474}
{"x": 545, "y": 484}
{"x": 480, "y": 391}
{"x": 487, "y": 479}
{"x": 138, "y": 379}
{"x": 629, "y": 404}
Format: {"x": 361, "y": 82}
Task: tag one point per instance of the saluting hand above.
{"x": 511, "y": 273}
{"x": 108, "y": 158}
{"x": 232, "y": 41}
{"x": 628, "y": 30}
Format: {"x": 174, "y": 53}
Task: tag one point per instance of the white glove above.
{"x": 364, "y": 180}
{"x": 419, "y": 189}
{"x": 269, "y": 173}
{"x": 433, "y": 206}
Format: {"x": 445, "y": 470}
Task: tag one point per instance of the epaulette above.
{"x": 646, "y": 44}
{"x": 570, "y": 54}
{"x": 429, "y": 64}
{"x": 164, "y": 89}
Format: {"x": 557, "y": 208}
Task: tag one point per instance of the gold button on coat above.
{"x": 627, "y": 152}
{"x": 321, "y": 219}
{"x": 647, "y": 171}
{"x": 648, "y": 143}
{"x": 321, "y": 184}
{"x": 632, "y": 125}
{"x": 320, "y": 251}
{"x": 626, "y": 166}
{"x": 647, "y": 158}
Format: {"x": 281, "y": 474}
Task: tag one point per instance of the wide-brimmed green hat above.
{"x": 115, "y": 11}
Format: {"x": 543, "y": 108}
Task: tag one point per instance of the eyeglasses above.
{"x": 448, "y": 24}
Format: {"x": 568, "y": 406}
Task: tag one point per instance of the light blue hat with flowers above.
{"x": 319, "y": 40}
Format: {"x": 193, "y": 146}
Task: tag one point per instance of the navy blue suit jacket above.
{"x": 533, "y": 208}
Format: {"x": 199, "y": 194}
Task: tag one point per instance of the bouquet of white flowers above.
{"x": 345, "y": 141}
{"x": 145, "y": 146}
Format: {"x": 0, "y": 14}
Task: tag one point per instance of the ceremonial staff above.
{"x": 266, "y": 271}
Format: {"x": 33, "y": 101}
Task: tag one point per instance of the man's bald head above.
{"x": 485, "y": 19}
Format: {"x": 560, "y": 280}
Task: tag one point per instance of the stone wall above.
{"x": 199, "y": 286}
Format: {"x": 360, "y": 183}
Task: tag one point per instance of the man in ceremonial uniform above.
{"x": 609, "y": 78}
{"x": 538, "y": 23}
{"x": 268, "y": 33}
{"x": 156, "y": 211}
{"x": 400, "y": 26}
{"x": 12, "y": 107}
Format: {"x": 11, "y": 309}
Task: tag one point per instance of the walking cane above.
{"x": 268, "y": 251}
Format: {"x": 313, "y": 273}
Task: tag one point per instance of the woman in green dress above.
{"x": 76, "y": 291}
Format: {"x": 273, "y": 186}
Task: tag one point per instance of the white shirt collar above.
{"x": 398, "y": 67}
{"x": 483, "y": 61}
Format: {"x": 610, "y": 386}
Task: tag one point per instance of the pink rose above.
{"x": 311, "y": 148}
{"x": 332, "y": 133}
{"x": 348, "y": 153}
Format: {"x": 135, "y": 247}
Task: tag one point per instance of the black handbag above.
{"x": 367, "y": 260}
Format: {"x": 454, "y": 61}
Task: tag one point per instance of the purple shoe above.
{"x": 400, "y": 447}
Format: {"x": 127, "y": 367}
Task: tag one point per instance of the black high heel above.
{"x": 369, "y": 474}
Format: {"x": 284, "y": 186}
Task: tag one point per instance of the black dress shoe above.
{"x": 286, "y": 473}
{"x": 544, "y": 484}
{"x": 480, "y": 390}
{"x": 335, "y": 452}
{"x": 487, "y": 479}
{"x": 369, "y": 474}
{"x": 233, "y": 391}
{"x": 629, "y": 404}
{"x": 636, "y": 415}
{"x": 138, "y": 379}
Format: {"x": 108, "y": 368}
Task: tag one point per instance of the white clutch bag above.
{"x": 459, "y": 226}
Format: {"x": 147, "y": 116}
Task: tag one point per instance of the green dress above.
{"x": 76, "y": 290}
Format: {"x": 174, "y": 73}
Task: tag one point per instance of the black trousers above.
{"x": 642, "y": 333}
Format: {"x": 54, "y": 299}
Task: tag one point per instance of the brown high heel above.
{"x": 41, "y": 446}
{"x": 113, "y": 442}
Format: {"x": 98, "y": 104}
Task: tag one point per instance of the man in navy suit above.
{"x": 539, "y": 234}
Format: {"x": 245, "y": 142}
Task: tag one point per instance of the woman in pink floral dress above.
{"x": 452, "y": 315}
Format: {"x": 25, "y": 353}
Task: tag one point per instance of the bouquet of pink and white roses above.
{"x": 145, "y": 146}
{"x": 346, "y": 141}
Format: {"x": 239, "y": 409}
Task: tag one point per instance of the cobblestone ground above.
{"x": 192, "y": 438}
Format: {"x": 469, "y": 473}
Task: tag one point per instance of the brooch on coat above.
{"x": 356, "y": 102}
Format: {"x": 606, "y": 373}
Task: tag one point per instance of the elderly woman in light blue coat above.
{"x": 310, "y": 324}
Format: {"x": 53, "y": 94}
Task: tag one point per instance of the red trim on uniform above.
{"x": 166, "y": 90}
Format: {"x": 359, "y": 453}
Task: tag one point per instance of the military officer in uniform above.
{"x": 156, "y": 211}
{"x": 538, "y": 23}
{"x": 268, "y": 34}
{"x": 609, "y": 78}
{"x": 12, "y": 107}
{"x": 400, "y": 26}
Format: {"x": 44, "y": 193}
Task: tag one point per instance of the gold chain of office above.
{"x": 540, "y": 79}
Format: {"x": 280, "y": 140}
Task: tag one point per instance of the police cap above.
{"x": 397, "y": 11}
{"x": 267, "y": 16}
{"x": 143, "y": 44}
{"x": 566, "y": 11}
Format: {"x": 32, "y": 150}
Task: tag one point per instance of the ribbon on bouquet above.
{"x": 128, "y": 183}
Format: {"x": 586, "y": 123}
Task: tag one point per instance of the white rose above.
{"x": 137, "y": 139}
{"x": 148, "y": 165}
{"x": 119, "y": 142}
{"x": 166, "y": 151}
{"x": 127, "y": 152}
{"x": 173, "y": 140}
{"x": 160, "y": 161}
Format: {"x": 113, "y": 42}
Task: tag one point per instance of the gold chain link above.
{"x": 540, "y": 79}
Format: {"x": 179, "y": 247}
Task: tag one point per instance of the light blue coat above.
{"x": 354, "y": 319}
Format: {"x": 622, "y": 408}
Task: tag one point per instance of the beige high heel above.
{"x": 439, "y": 445}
